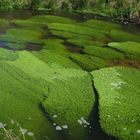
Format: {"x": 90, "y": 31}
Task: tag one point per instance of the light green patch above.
{"x": 132, "y": 48}
{"x": 55, "y": 60}
{"x": 70, "y": 94}
{"x": 103, "y": 52}
{"x": 8, "y": 55}
{"x": 70, "y": 99}
{"x": 21, "y": 95}
{"x": 87, "y": 62}
{"x": 119, "y": 94}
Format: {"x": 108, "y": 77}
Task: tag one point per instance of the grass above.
{"x": 118, "y": 90}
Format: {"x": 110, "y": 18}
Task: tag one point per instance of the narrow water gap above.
{"x": 34, "y": 47}
{"x": 96, "y": 132}
{"x": 106, "y": 46}
{"x": 60, "y": 134}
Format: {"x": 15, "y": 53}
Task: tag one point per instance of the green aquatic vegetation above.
{"x": 68, "y": 35}
{"x": 35, "y": 21}
{"x": 22, "y": 36}
{"x": 16, "y": 46}
{"x": 26, "y": 23}
{"x": 82, "y": 42}
{"x": 3, "y": 23}
{"x": 67, "y": 100}
{"x": 55, "y": 60}
{"x": 21, "y": 95}
{"x": 79, "y": 30}
{"x": 119, "y": 94}
{"x": 96, "y": 48}
{"x": 132, "y": 48}
{"x": 103, "y": 52}
{"x": 70, "y": 99}
{"x": 102, "y": 25}
{"x": 55, "y": 45}
{"x": 54, "y": 87}
{"x": 8, "y": 55}
{"x": 87, "y": 62}
{"x": 52, "y": 19}
{"x": 117, "y": 35}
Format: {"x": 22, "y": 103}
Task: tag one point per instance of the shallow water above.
{"x": 76, "y": 44}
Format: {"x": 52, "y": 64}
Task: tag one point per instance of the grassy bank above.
{"x": 129, "y": 9}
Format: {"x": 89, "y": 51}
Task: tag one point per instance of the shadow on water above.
{"x": 96, "y": 132}
{"x": 73, "y": 48}
{"x": 33, "y": 47}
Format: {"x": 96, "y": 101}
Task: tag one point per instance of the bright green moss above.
{"x": 119, "y": 94}
{"x": 70, "y": 98}
{"x": 132, "y": 48}
{"x": 103, "y": 52}
{"x": 70, "y": 94}
{"x": 21, "y": 95}
{"x": 87, "y": 62}
{"x": 96, "y": 49}
{"x": 55, "y": 60}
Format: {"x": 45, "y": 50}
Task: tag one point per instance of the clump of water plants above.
{"x": 53, "y": 68}
{"x": 118, "y": 90}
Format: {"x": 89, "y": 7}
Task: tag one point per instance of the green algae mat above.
{"x": 62, "y": 79}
